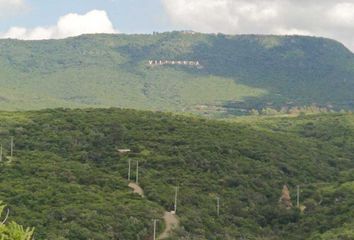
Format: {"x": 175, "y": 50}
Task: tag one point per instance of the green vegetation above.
{"x": 239, "y": 73}
{"x": 13, "y": 231}
{"x": 67, "y": 180}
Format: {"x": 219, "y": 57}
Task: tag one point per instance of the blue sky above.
{"x": 130, "y": 16}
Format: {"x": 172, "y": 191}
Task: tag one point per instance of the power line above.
{"x": 129, "y": 168}
{"x": 155, "y": 221}
{"x": 176, "y": 196}
{"x": 218, "y": 206}
{"x": 298, "y": 196}
{"x": 12, "y": 146}
{"x": 137, "y": 173}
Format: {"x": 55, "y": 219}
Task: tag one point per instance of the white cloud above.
{"x": 92, "y": 22}
{"x": 343, "y": 13}
{"x": 10, "y": 7}
{"x": 218, "y": 15}
{"x": 328, "y": 18}
{"x": 291, "y": 31}
{"x": 72, "y": 24}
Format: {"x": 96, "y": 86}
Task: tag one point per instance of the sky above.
{"x": 52, "y": 19}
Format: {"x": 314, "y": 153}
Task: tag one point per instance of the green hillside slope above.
{"x": 237, "y": 73}
{"x": 67, "y": 180}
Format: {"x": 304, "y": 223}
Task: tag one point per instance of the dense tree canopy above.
{"x": 68, "y": 181}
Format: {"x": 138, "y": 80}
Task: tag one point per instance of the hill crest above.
{"x": 240, "y": 73}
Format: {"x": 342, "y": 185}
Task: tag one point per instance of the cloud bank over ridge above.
{"x": 328, "y": 18}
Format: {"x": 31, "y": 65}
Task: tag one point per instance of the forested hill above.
{"x": 235, "y": 73}
{"x": 67, "y": 180}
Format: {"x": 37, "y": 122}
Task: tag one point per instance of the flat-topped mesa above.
{"x": 173, "y": 62}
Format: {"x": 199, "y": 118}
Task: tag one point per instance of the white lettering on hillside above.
{"x": 173, "y": 62}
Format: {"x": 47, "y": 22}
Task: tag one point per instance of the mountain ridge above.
{"x": 240, "y": 73}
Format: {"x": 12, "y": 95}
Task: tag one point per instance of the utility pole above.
{"x": 0, "y": 153}
{"x": 129, "y": 167}
{"x": 176, "y": 195}
{"x": 155, "y": 229}
{"x": 12, "y": 146}
{"x": 137, "y": 173}
{"x": 298, "y": 196}
{"x": 218, "y": 206}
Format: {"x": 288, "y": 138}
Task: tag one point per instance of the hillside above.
{"x": 67, "y": 180}
{"x": 236, "y": 73}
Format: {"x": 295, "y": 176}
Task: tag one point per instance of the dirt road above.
{"x": 137, "y": 189}
{"x": 171, "y": 222}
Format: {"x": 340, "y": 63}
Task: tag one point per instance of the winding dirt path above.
{"x": 171, "y": 220}
{"x": 137, "y": 189}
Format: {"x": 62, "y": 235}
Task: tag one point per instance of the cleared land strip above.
{"x": 171, "y": 220}
{"x": 137, "y": 189}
